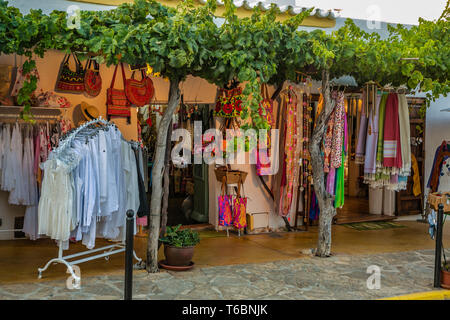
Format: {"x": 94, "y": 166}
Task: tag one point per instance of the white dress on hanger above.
{"x": 55, "y": 205}
{"x": 6, "y": 154}
{"x": 17, "y": 194}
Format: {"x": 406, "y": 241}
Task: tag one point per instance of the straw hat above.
{"x": 90, "y": 112}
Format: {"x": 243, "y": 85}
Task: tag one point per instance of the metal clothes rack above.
{"x": 13, "y": 116}
{"x": 107, "y": 250}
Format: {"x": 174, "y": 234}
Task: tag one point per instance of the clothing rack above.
{"x": 107, "y": 250}
{"x": 14, "y": 118}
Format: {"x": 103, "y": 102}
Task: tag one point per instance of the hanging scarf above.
{"x": 392, "y": 154}
{"x": 338, "y": 130}
{"x": 362, "y": 134}
{"x": 370, "y": 160}
{"x": 328, "y": 144}
{"x": 416, "y": 178}
{"x": 340, "y": 183}
{"x": 380, "y": 141}
{"x": 405, "y": 135}
{"x": 291, "y": 154}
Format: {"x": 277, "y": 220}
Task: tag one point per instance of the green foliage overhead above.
{"x": 186, "y": 41}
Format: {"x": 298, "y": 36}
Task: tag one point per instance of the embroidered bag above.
{"x": 239, "y": 209}
{"x": 69, "y": 81}
{"x": 229, "y": 103}
{"x": 224, "y": 207}
{"x": 117, "y": 103}
{"x": 139, "y": 92}
{"x": 265, "y": 111}
{"x": 92, "y": 79}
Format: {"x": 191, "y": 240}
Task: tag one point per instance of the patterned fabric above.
{"x": 92, "y": 79}
{"x": 328, "y": 143}
{"x": 381, "y": 118}
{"x": 139, "y": 92}
{"x": 362, "y": 134}
{"x": 292, "y": 157}
{"x": 229, "y": 103}
{"x": 70, "y": 81}
{"x": 117, "y": 102}
{"x": 21, "y": 78}
{"x": 340, "y": 183}
{"x": 240, "y": 212}
{"x": 263, "y": 166}
{"x": 338, "y": 130}
{"x": 224, "y": 210}
{"x": 405, "y": 134}
{"x": 392, "y": 155}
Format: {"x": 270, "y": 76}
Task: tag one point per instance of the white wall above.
{"x": 437, "y": 130}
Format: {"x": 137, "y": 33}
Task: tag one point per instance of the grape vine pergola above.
{"x": 183, "y": 41}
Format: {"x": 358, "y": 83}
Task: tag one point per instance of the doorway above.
{"x": 189, "y": 185}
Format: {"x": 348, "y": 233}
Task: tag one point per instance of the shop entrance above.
{"x": 188, "y": 196}
{"x": 188, "y": 183}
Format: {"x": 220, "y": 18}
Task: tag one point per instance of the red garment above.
{"x": 392, "y": 153}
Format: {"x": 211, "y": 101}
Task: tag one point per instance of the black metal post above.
{"x": 438, "y": 250}
{"x": 128, "y": 294}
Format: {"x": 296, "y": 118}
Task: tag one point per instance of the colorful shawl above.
{"x": 292, "y": 155}
{"x": 405, "y": 135}
{"x": 370, "y": 160}
{"x": 338, "y": 130}
{"x": 340, "y": 183}
{"x": 362, "y": 134}
{"x": 380, "y": 142}
{"x": 328, "y": 144}
{"x": 416, "y": 178}
{"x": 392, "y": 154}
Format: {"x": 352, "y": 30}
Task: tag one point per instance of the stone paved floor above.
{"x": 337, "y": 277}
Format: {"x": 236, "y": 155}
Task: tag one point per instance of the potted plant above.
{"x": 179, "y": 246}
{"x": 445, "y": 275}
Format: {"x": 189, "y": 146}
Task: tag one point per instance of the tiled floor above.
{"x": 19, "y": 259}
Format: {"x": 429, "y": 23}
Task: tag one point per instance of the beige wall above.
{"x": 194, "y": 90}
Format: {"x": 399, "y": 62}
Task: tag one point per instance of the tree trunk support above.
{"x": 327, "y": 210}
{"x": 157, "y": 175}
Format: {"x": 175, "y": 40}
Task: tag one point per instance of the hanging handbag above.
{"x": 92, "y": 79}
{"x": 224, "y": 207}
{"x": 69, "y": 81}
{"x": 265, "y": 111}
{"x": 229, "y": 103}
{"x": 139, "y": 92}
{"x": 116, "y": 100}
{"x": 239, "y": 209}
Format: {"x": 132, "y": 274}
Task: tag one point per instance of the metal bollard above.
{"x": 128, "y": 294}
{"x": 438, "y": 250}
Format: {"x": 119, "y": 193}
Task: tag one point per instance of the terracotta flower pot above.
{"x": 445, "y": 279}
{"x": 178, "y": 256}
